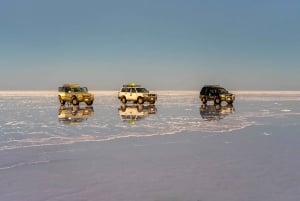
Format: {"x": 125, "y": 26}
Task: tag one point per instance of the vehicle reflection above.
{"x": 215, "y": 112}
{"x": 74, "y": 114}
{"x": 133, "y": 113}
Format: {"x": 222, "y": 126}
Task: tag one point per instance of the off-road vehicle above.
{"x": 215, "y": 93}
{"x": 74, "y": 94}
{"x": 136, "y": 94}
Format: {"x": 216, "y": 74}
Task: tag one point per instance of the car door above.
{"x": 68, "y": 93}
{"x": 211, "y": 94}
{"x": 126, "y": 93}
{"x": 133, "y": 94}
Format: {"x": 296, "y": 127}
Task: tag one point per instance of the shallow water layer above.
{"x": 178, "y": 149}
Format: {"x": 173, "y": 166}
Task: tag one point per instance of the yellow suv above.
{"x": 74, "y": 94}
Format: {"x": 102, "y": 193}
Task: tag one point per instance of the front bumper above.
{"x": 151, "y": 98}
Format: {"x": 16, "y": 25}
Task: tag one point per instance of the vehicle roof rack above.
{"x": 71, "y": 85}
{"x": 132, "y": 85}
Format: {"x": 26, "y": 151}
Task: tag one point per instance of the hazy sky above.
{"x": 161, "y": 44}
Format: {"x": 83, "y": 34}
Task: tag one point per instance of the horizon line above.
{"x": 166, "y": 92}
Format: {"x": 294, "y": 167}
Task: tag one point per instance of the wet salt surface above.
{"x": 177, "y": 150}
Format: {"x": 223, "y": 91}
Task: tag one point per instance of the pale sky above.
{"x": 161, "y": 44}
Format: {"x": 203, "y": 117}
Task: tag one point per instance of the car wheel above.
{"x": 75, "y": 101}
{"x": 140, "y": 100}
{"x": 217, "y": 101}
{"x": 62, "y": 102}
{"x": 123, "y": 100}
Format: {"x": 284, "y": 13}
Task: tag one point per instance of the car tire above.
{"x": 217, "y": 101}
{"x": 62, "y": 102}
{"x": 123, "y": 100}
{"x": 75, "y": 101}
{"x": 140, "y": 100}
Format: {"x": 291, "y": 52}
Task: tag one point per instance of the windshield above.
{"x": 223, "y": 91}
{"x": 142, "y": 90}
{"x": 80, "y": 89}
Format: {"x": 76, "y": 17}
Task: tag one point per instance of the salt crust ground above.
{"x": 257, "y": 162}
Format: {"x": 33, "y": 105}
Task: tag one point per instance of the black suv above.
{"x": 215, "y": 93}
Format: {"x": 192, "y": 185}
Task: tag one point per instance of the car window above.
{"x": 212, "y": 92}
{"x": 125, "y": 89}
{"x": 142, "y": 90}
{"x": 79, "y": 89}
{"x": 223, "y": 91}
